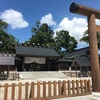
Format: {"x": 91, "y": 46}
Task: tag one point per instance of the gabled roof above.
{"x": 77, "y": 53}
{"x": 82, "y": 61}
{"x": 35, "y": 51}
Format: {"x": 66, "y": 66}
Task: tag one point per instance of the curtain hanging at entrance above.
{"x": 34, "y": 59}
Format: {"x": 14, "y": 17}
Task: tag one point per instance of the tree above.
{"x": 65, "y": 41}
{"x": 42, "y": 34}
{"x": 6, "y": 40}
{"x": 85, "y": 38}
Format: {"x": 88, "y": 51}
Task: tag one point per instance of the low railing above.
{"x": 10, "y": 76}
{"x": 44, "y": 90}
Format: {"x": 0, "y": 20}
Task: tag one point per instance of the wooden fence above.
{"x": 44, "y": 90}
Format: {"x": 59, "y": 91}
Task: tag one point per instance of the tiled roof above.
{"x": 64, "y": 60}
{"x": 83, "y": 61}
{"x": 35, "y": 51}
{"x": 77, "y": 53}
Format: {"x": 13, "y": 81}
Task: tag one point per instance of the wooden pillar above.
{"x": 94, "y": 58}
{"x": 80, "y": 71}
{"x": 59, "y": 66}
{"x": 8, "y": 71}
{"x": 76, "y": 70}
{"x": 47, "y": 64}
{"x": 70, "y": 71}
{"x": 23, "y": 64}
{"x": 87, "y": 71}
{"x": 92, "y": 14}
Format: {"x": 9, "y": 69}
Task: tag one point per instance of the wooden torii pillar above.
{"x": 91, "y": 14}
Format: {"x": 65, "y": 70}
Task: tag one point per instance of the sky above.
{"x": 21, "y": 16}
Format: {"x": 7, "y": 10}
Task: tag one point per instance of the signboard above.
{"x": 6, "y": 59}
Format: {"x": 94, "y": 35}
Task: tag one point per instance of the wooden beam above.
{"x": 84, "y": 10}
{"x": 92, "y": 14}
{"x": 97, "y": 29}
{"x": 73, "y": 62}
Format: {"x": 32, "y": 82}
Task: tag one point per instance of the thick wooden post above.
{"x": 94, "y": 58}
{"x": 92, "y": 14}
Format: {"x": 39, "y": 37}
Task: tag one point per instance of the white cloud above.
{"x": 14, "y": 18}
{"x": 48, "y": 19}
{"x": 76, "y": 28}
{"x": 97, "y": 22}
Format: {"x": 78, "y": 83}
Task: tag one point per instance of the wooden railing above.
{"x": 44, "y": 90}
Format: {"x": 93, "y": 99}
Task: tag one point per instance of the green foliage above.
{"x": 65, "y": 41}
{"x": 42, "y": 34}
{"x": 85, "y": 38}
{"x": 6, "y": 40}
